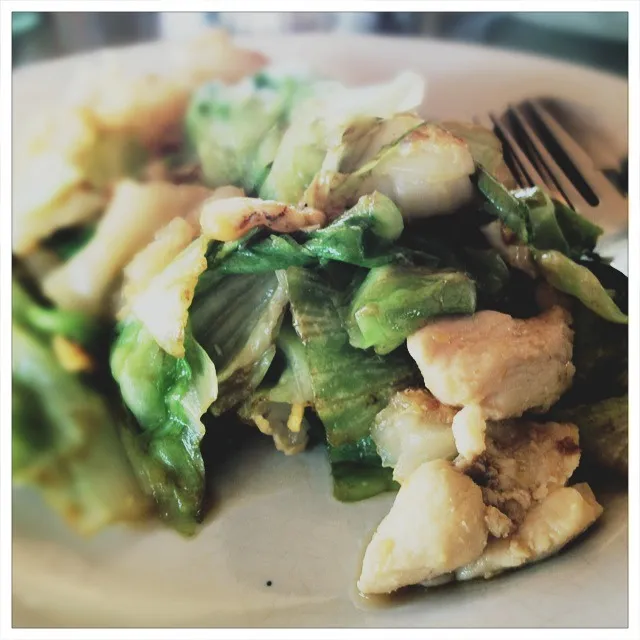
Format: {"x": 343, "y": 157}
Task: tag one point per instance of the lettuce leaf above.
{"x": 350, "y": 385}
{"x": 48, "y": 321}
{"x": 167, "y": 396}
{"x": 65, "y": 443}
{"x": 395, "y": 301}
{"x": 569, "y": 277}
{"x": 277, "y": 409}
{"x": 319, "y": 123}
{"x": 237, "y": 129}
{"x": 363, "y": 235}
{"x": 424, "y": 169}
{"x": 485, "y": 147}
{"x": 236, "y": 322}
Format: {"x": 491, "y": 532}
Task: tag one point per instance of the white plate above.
{"x": 275, "y": 518}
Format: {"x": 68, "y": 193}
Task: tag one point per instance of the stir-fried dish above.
{"x": 305, "y": 257}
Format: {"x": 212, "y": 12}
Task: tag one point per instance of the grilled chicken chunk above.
{"x": 412, "y": 429}
{"x": 523, "y": 463}
{"x": 548, "y": 527}
{"x": 503, "y": 365}
{"x": 436, "y": 524}
{"x": 469, "y": 428}
{"x": 231, "y": 218}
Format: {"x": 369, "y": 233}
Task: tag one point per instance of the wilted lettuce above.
{"x": 47, "y": 321}
{"x": 485, "y": 147}
{"x": 236, "y": 321}
{"x": 363, "y": 235}
{"x": 395, "y": 301}
{"x": 167, "y": 396}
{"x": 277, "y": 408}
{"x": 555, "y": 237}
{"x": 63, "y": 183}
{"x": 424, "y": 169}
{"x": 604, "y": 431}
{"x": 349, "y": 385}
{"x": 65, "y": 441}
{"x": 566, "y": 275}
{"x": 319, "y": 123}
{"x": 236, "y": 130}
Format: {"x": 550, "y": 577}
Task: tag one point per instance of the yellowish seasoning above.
{"x": 71, "y": 355}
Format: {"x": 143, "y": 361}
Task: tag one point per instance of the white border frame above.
{"x": 7, "y": 6}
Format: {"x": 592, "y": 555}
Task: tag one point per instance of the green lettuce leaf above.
{"x": 236, "y": 322}
{"x": 503, "y": 204}
{"x": 65, "y": 443}
{"x": 566, "y": 275}
{"x": 50, "y": 321}
{"x": 546, "y": 232}
{"x": 236, "y": 130}
{"x": 167, "y": 396}
{"x": 604, "y": 431}
{"x": 581, "y": 234}
{"x": 320, "y": 123}
{"x": 395, "y": 301}
{"x": 266, "y": 254}
{"x": 277, "y": 409}
{"x": 350, "y": 385}
{"x": 363, "y": 235}
{"x": 485, "y": 147}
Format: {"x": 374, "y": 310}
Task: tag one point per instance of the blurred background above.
{"x": 596, "y": 39}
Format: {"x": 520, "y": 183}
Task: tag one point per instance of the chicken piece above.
{"x": 412, "y": 429}
{"x": 435, "y": 525}
{"x": 499, "y": 525}
{"x": 548, "y": 527}
{"x": 469, "y": 429}
{"x": 232, "y": 218}
{"x": 523, "y": 463}
{"x": 503, "y": 365}
{"x": 135, "y": 213}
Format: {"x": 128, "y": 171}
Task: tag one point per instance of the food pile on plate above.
{"x": 202, "y": 241}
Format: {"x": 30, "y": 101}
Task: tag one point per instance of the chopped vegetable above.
{"x": 236, "y": 129}
{"x": 278, "y": 409}
{"x": 604, "y": 431}
{"x": 504, "y": 205}
{"x": 168, "y": 396}
{"x": 64, "y": 441}
{"x": 323, "y": 119}
{"x": 237, "y": 322}
{"x": 576, "y": 280}
{"x": 485, "y": 147}
{"x": 394, "y": 301}
{"x": 347, "y": 409}
{"x": 362, "y": 235}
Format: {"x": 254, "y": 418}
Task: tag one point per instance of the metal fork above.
{"x": 577, "y": 183}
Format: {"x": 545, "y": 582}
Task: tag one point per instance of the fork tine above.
{"x": 514, "y": 167}
{"x": 573, "y": 196}
{"x": 529, "y": 168}
{"x": 578, "y": 157}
